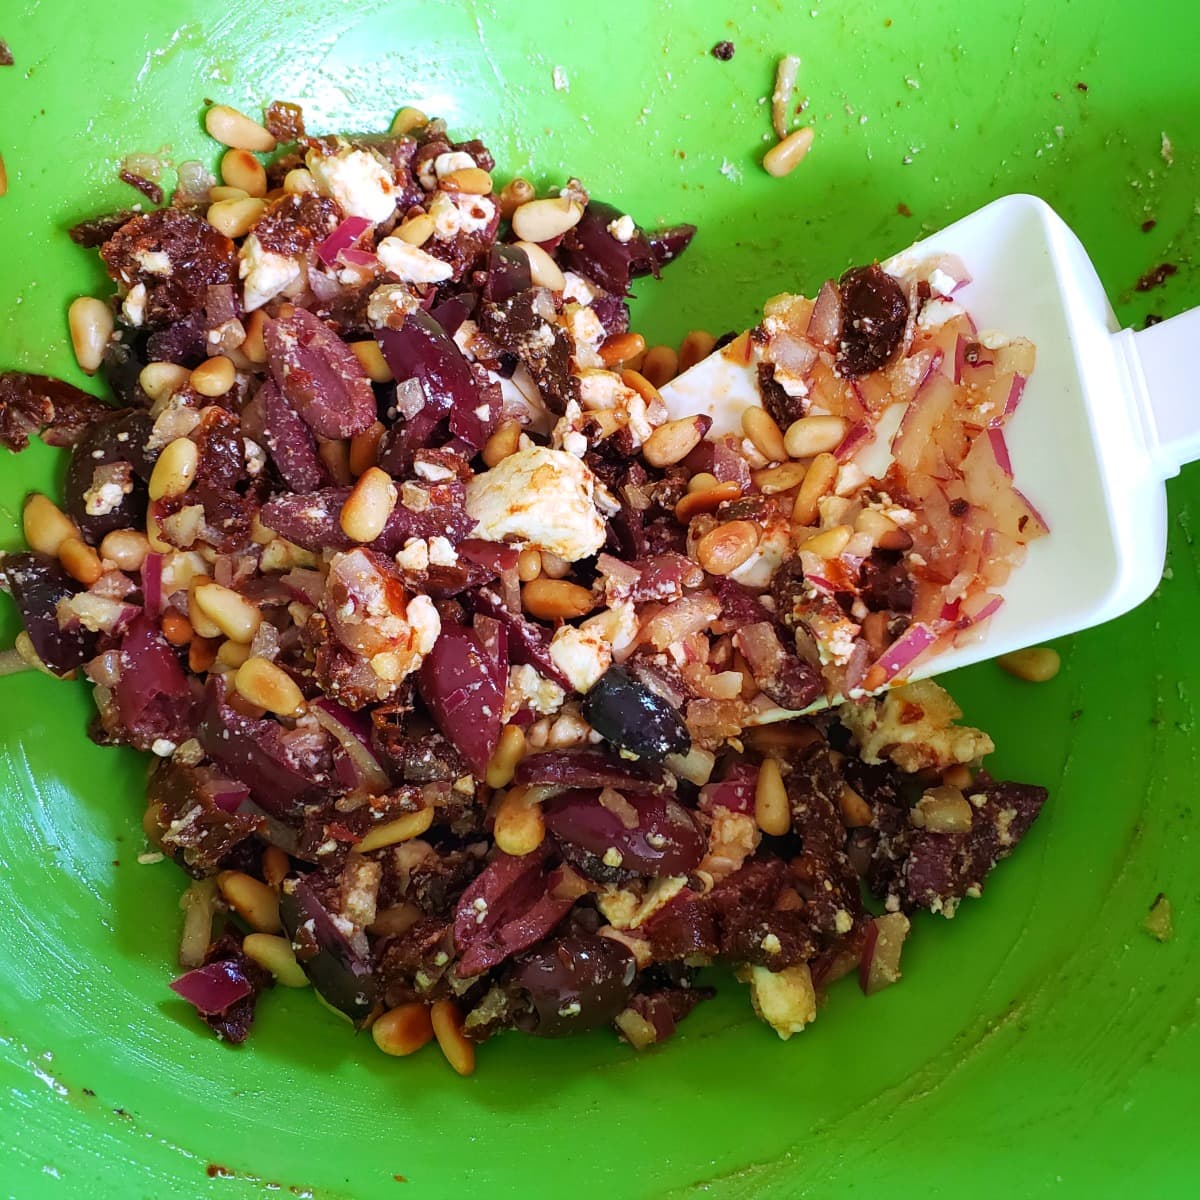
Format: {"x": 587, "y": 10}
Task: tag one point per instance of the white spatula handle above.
{"x": 1169, "y": 354}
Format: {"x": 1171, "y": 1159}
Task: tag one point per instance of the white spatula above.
{"x": 1106, "y": 418}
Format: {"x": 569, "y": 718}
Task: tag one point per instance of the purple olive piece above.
{"x": 574, "y": 983}
{"x": 37, "y": 584}
{"x": 121, "y": 439}
{"x": 152, "y": 694}
{"x": 631, "y": 717}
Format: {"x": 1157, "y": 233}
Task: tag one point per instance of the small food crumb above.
{"x": 149, "y": 857}
{"x": 1156, "y": 277}
{"x": 1158, "y": 920}
{"x": 903, "y": 209}
{"x": 6, "y": 57}
{"x": 1148, "y": 224}
{"x": 723, "y": 51}
{"x": 1081, "y": 87}
{"x": 561, "y": 82}
{"x": 1152, "y": 319}
{"x": 1167, "y": 150}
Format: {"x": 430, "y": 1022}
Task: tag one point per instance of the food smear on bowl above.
{"x": 449, "y": 647}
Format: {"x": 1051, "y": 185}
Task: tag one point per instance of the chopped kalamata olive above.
{"x": 37, "y": 584}
{"x": 97, "y": 503}
{"x": 633, "y": 718}
{"x": 574, "y": 983}
{"x": 874, "y": 315}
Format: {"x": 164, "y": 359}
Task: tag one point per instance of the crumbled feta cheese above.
{"x": 586, "y": 333}
{"x": 255, "y": 456}
{"x": 773, "y": 547}
{"x": 528, "y": 689}
{"x": 442, "y": 553}
{"x": 843, "y": 922}
{"x": 265, "y": 273}
{"x": 432, "y": 471}
{"x": 612, "y": 857}
{"x": 577, "y": 290}
{"x": 447, "y": 218}
{"x": 411, "y": 263}
{"x": 452, "y": 160}
{"x": 785, "y": 1000}
{"x": 162, "y": 747}
{"x": 993, "y": 339}
{"x": 359, "y": 180}
{"x": 154, "y": 262}
{"x": 622, "y": 228}
{"x": 545, "y": 498}
{"x": 133, "y": 307}
{"x": 582, "y": 655}
{"x": 414, "y": 556}
{"x": 426, "y": 624}
{"x": 941, "y": 283}
{"x": 390, "y": 304}
{"x": 938, "y": 312}
{"x": 771, "y": 944}
{"x": 99, "y": 502}
{"x": 575, "y": 443}
{"x": 475, "y": 212}
{"x": 618, "y": 625}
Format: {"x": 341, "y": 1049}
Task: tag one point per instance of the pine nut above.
{"x": 959, "y": 776}
{"x": 398, "y": 919}
{"x": 660, "y": 365}
{"x": 943, "y": 810}
{"x": 203, "y": 626}
{"x": 45, "y": 525}
{"x": 784, "y": 739}
{"x": 91, "y": 325}
{"x": 778, "y": 479}
{"x": 231, "y": 613}
{"x": 233, "y": 128}
{"x": 299, "y": 181}
{"x": 263, "y": 683}
{"x": 814, "y": 435}
{"x": 240, "y": 169}
{"x": 275, "y": 954}
{"x": 448, "y": 1029}
{"x": 335, "y": 454}
{"x": 510, "y": 749}
{"x": 402, "y": 829}
{"x": 621, "y": 348}
{"x": 772, "y": 812}
{"x": 702, "y": 482}
{"x": 161, "y": 380}
{"x": 505, "y": 440}
{"x": 126, "y": 549}
{"x": 80, "y": 561}
{"x": 822, "y": 472}
{"x": 416, "y": 231}
{"x": 199, "y": 903}
{"x": 519, "y": 826}
{"x": 254, "y": 347}
{"x": 874, "y": 524}
{"x": 403, "y": 1030}
{"x": 213, "y": 377}
{"x": 696, "y": 346}
{"x": 235, "y": 218}
{"x": 1035, "y": 664}
{"x": 529, "y": 567}
{"x": 154, "y": 532}
{"x": 759, "y": 426}
{"x": 542, "y": 220}
{"x": 543, "y": 270}
{"x": 856, "y": 812}
{"x": 515, "y": 193}
{"x": 554, "y": 567}
{"x": 707, "y": 501}
{"x": 369, "y": 505}
{"x": 644, "y": 388}
{"x": 176, "y": 628}
{"x": 785, "y": 156}
{"x": 674, "y": 441}
{"x": 371, "y": 359}
{"x": 225, "y": 192}
{"x": 175, "y": 469}
{"x": 230, "y": 656}
{"x": 408, "y": 119}
{"x": 829, "y": 543}
{"x": 727, "y": 547}
{"x": 275, "y": 866}
{"x": 468, "y": 181}
{"x": 251, "y": 899}
{"x": 555, "y": 599}
{"x": 739, "y": 351}
{"x": 364, "y": 447}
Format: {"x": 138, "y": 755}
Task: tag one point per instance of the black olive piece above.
{"x": 630, "y": 716}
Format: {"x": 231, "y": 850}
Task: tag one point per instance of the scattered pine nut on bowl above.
{"x": 454, "y": 655}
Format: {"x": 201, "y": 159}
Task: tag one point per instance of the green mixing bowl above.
{"x": 1041, "y": 1043}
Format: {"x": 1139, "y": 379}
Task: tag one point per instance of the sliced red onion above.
{"x": 910, "y": 645}
{"x": 353, "y": 732}
{"x": 357, "y": 258}
{"x": 152, "y": 597}
{"x": 989, "y": 609}
{"x": 341, "y": 239}
{"x": 1000, "y": 450}
{"x": 856, "y": 437}
{"x": 825, "y": 323}
{"x": 1015, "y": 392}
{"x": 214, "y": 988}
{"x": 496, "y": 556}
{"x": 1033, "y": 512}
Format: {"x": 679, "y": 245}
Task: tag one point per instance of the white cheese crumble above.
{"x": 389, "y": 305}
{"x": 941, "y": 283}
{"x": 265, "y": 273}
{"x": 411, "y": 263}
{"x": 786, "y": 1000}
{"x": 937, "y": 313}
{"x": 528, "y": 689}
{"x": 622, "y": 228}
{"x": 582, "y": 655}
{"x": 442, "y": 553}
{"x": 452, "y": 160}
{"x": 133, "y": 307}
{"x": 359, "y": 180}
{"x": 414, "y": 556}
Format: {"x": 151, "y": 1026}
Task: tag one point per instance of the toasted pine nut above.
{"x": 225, "y": 192}
{"x": 505, "y": 440}
{"x": 814, "y": 435}
{"x": 785, "y": 156}
{"x": 251, "y": 899}
{"x": 397, "y": 919}
{"x": 697, "y": 345}
{"x": 403, "y": 1030}
{"x": 529, "y": 567}
{"x": 640, "y": 384}
{"x": 254, "y": 348}
{"x": 829, "y": 543}
{"x": 233, "y": 128}
{"x": 707, "y": 501}
{"x": 822, "y": 472}
{"x": 153, "y": 534}
{"x": 542, "y": 220}
{"x": 555, "y": 599}
{"x": 263, "y": 683}
{"x": 510, "y": 749}
{"x": 235, "y": 218}
{"x": 416, "y": 231}
{"x": 874, "y": 523}
{"x": 176, "y": 628}
{"x": 80, "y": 561}
{"x": 727, "y": 547}
{"x": 275, "y": 954}
{"x": 660, "y": 365}
{"x": 201, "y": 623}
{"x": 673, "y": 441}
{"x": 231, "y": 613}
{"x": 943, "y": 810}
{"x": 778, "y": 479}
{"x": 91, "y": 324}
{"x": 240, "y": 169}
{"x": 213, "y": 377}
{"x": 298, "y": 181}
{"x": 513, "y": 194}
{"x": 199, "y": 903}
{"x": 469, "y": 181}
{"x": 202, "y": 653}
{"x": 519, "y": 827}
{"x": 402, "y": 829}
{"x": 174, "y": 469}
{"x": 543, "y": 270}
{"x": 46, "y": 526}
{"x": 448, "y": 1029}
{"x": 785, "y": 738}
{"x": 408, "y": 119}
{"x": 772, "y": 812}
{"x": 759, "y": 426}
{"x": 1035, "y": 664}
{"x": 959, "y": 776}
{"x": 371, "y": 359}
{"x": 369, "y": 505}
{"x": 275, "y": 866}
{"x": 126, "y": 549}
{"x": 161, "y": 380}
{"x": 230, "y": 656}
{"x": 621, "y": 348}
{"x": 364, "y": 447}
{"x": 701, "y": 482}
{"x": 856, "y": 812}
{"x": 554, "y": 567}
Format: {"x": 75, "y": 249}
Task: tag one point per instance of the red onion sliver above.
{"x": 1000, "y": 450}
{"x": 343, "y": 237}
{"x": 914, "y": 642}
{"x": 214, "y": 988}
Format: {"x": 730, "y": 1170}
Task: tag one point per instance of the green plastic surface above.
{"x": 1041, "y": 1044}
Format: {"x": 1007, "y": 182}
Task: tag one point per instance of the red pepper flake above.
{"x": 1156, "y": 277}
